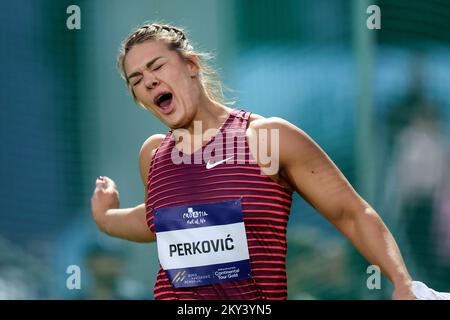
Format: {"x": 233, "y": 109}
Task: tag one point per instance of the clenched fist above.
{"x": 105, "y": 197}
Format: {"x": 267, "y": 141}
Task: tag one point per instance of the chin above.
{"x": 176, "y": 124}
{"x": 179, "y": 119}
{"x": 174, "y": 121}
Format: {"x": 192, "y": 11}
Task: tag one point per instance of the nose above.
{"x": 150, "y": 81}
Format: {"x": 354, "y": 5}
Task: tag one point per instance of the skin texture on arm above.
{"x": 305, "y": 168}
{"x": 128, "y": 223}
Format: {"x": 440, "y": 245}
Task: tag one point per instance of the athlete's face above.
{"x": 164, "y": 82}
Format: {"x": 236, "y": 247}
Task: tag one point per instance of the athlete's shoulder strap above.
{"x": 165, "y": 144}
{"x": 243, "y": 116}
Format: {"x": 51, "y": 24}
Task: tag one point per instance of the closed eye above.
{"x": 140, "y": 78}
{"x": 136, "y": 82}
{"x": 158, "y": 67}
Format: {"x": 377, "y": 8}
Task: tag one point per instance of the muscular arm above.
{"x": 127, "y": 223}
{"x": 310, "y": 172}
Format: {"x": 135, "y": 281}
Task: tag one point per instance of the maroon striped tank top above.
{"x": 265, "y": 204}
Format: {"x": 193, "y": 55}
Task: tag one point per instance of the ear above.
{"x": 193, "y": 64}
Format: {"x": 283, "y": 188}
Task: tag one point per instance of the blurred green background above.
{"x": 377, "y": 101}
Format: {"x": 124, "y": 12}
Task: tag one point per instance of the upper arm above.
{"x": 311, "y": 172}
{"x": 146, "y": 154}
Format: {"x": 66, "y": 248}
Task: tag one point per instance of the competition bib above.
{"x": 202, "y": 244}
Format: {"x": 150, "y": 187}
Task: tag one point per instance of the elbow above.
{"x": 354, "y": 218}
{"x": 102, "y": 224}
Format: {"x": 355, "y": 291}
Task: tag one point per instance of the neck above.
{"x": 210, "y": 115}
{"x": 208, "y": 118}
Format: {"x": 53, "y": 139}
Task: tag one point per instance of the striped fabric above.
{"x": 266, "y": 206}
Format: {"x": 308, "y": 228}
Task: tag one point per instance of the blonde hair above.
{"x": 177, "y": 41}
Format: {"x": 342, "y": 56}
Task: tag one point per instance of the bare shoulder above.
{"x": 286, "y": 129}
{"x": 270, "y": 141}
{"x": 257, "y": 121}
{"x": 151, "y": 143}
{"x": 288, "y": 142}
{"x": 146, "y": 153}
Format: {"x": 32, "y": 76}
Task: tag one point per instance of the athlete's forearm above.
{"x": 375, "y": 242}
{"x": 128, "y": 224}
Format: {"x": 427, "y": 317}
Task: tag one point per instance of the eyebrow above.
{"x": 147, "y": 65}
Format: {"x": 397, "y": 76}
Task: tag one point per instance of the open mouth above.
{"x": 163, "y": 100}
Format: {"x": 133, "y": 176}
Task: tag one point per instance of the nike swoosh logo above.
{"x": 210, "y": 165}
